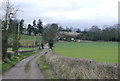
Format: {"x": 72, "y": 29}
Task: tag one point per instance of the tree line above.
{"x": 108, "y": 33}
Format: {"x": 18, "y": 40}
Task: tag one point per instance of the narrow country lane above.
{"x": 19, "y": 72}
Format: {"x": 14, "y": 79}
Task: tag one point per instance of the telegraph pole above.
{"x": 34, "y": 42}
{"x": 18, "y": 29}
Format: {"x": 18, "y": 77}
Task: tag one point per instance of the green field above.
{"x": 29, "y": 39}
{"x": 26, "y": 40}
{"x": 98, "y": 51}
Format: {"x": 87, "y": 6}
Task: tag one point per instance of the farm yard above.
{"x": 104, "y": 52}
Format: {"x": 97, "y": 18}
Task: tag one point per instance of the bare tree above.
{"x": 8, "y": 12}
{"x": 49, "y": 34}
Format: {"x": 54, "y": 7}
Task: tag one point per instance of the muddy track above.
{"x": 18, "y": 71}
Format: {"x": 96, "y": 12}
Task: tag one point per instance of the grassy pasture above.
{"x": 26, "y": 40}
{"x": 29, "y": 39}
{"x": 98, "y": 51}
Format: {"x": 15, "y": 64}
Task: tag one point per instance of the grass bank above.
{"x": 46, "y": 69}
{"x": 0, "y": 67}
{"x": 75, "y": 68}
{"x": 22, "y": 49}
{"x": 16, "y": 59}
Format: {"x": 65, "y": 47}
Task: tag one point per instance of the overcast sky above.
{"x": 72, "y": 13}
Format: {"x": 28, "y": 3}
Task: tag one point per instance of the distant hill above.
{"x": 70, "y": 33}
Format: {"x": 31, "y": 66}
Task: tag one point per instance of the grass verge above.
{"x": 46, "y": 69}
{"x": 0, "y": 67}
{"x": 16, "y": 59}
{"x": 22, "y": 49}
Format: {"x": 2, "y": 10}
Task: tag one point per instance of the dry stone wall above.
{"x": 75, "y": 68}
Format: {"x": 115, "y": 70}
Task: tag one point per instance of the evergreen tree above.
{"x": 40, "y": 26}
{"x": 29, "y": 29}
{"x": 21, "y": 26}
{"x": 34, "y": 23}
{"x": 78, "y": 30}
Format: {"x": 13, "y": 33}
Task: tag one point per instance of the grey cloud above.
{"x": 61, "y": 12}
